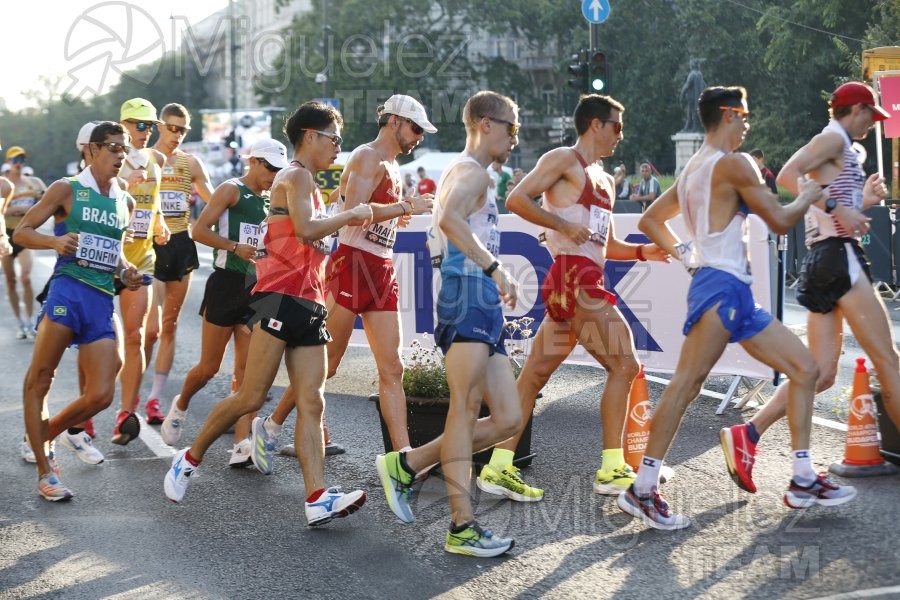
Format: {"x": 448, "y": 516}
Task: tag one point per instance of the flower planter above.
{"x": 890, "y": 437}
{"x": 426, "y": 418}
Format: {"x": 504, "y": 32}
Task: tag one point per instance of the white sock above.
{"x": 804, "y": 474}
{"x": 159, "y": 382}
{"x": 272, "y": 428}
{"x": 647, "y": 475}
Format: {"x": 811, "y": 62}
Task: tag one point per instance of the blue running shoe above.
{"x": 821, "y": 491}
{"x": 333, "y": 504}
{"x": 263, "y": 446}
{"x": 51, "y": 489}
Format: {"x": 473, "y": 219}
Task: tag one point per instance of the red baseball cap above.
{"x": 854, "y": 92}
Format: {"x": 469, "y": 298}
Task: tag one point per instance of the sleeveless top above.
{"x": 175, "y": 193}
{"x": 240, "y": 223}
{"x": 288, "y": 265}
{"x": 146, "y": 208}
{"x": 100, "y": 222}
{"x": 846, "y": 189}
{"x": 379, "y": 238}
{"x": 592, "y": 210}
{"x": 482, "y": 222}
{"x": 725, "y": 250}
{"x": 25, "y": 195}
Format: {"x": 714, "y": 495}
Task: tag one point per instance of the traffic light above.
{"x": 598, "y": 75}
{"x": 580, "y": 71}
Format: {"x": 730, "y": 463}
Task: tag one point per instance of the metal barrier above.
{"x": 878, "y": 244}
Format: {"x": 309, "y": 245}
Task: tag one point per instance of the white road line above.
{"x": 870, "y": 593}
{"x": 150, "y": 437}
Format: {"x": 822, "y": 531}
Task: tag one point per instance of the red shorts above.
{"x": 362, "y": 282}
{"x": 566, "y": 277}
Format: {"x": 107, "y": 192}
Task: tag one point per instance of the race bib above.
{"x": 493, "y": 242}
{"x": 140, "y": 222}
{"x": 383, "y": 234}
{"x": 811, "y": 226}
{"x": 249, "y": 234}
{"x": 174, "y": 204}
{"x": 261, "y": 251}
{"x": 599, "y": 224}
{"x": 98, "y": 252}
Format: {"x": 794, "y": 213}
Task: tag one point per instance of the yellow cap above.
{"x": 15, "y": 151}
{"x": 138, "y": 109}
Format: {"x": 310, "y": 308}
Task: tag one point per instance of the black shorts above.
{"x": 16, "y": 249}
{"x": 295, "y": 321}
{"x": 226, "y": 300}
{"x": 177, "y": 258}
{"x": 828, "y": 272}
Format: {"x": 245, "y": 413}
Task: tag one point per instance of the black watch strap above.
{"x": 491, "y": 268}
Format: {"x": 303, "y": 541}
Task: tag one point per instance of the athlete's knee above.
{"x": 10, "y": 275}
{"x": 311, "y": 406}
{"x": 391, "y": 371}
{"x": 685, "y": 387}
{"x": 134, "y": 337}
{"x": 98, "y": 399}
{"x": 805, "y": 372}
{"x": 25, "y": 278}
{"x": 508, "y": 421}
{"x": 169, "y": 327}
{"x": 826, "y": 380}
{"x": 625, "y": 366}
{"x": 38, "y": 380}
{"x": 206, "y": 371}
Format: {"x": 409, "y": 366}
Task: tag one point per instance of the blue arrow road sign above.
{"x": 595, "y": 11}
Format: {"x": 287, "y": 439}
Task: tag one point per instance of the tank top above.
{"x": 592, "y": 210}
{"x": 100, "y": 222}
{"x": 378, "y": 238}
{"x": 846, "y": 189}
{"x": 725, "y": 250}
{"x": 288, "y": 265}
{"x": 240, "y": 223}
{"x": 482, "y": 222}
{"x": 146, "y": 207}
{"x": 25, "y": 195}
{"x": 175, "y": 192}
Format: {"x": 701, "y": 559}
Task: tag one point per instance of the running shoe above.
{"x": 170, "y": 432}
{"x": 22, "y": 333}
{"x": 51, "y": 489}
{"x": 740, "y": 454}
{"x": 475, "y": 541}
{"x": 290, "y": 450}
{"x": 240, "y": 455}
{"x": 332, "y": 449}
{"x": 821, "y": 491}
{"x": 263, "y": 446}
{"x": 81, "y": 445}
{"x": 89, "y": 429}
{"x": 652, "y": 509}
{"x": 505, "y": 481}
{"x": 26, "y": 452}
{"x": 178, "y": 476}
{"x": 152, "y": 412}
{"x": 127, "y": 428}
{"x": 333, "y": 504}
{"x": 612, "y": 482}
{"x": 397, "y": 484}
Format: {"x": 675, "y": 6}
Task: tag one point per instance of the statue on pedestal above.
{"x": 690, "y": 98}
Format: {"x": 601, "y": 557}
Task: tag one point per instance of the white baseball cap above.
{"x": 84, "y": 135}
{"x": 27, "y": 171}
{"x": 6, "y": 168}
{"x": 409, "y": 108}
{"x": 272, "y": 151}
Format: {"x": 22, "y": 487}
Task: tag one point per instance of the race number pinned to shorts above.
{"x": 98, "y": 252}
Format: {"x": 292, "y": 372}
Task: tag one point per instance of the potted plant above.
{"x": 428, "y": 397}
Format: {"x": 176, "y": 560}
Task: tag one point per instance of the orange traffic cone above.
{"x": 862, "y": 456}
{"x": 637, "y": 423}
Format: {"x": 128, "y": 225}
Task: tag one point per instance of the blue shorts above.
{"x": 84, "y": 309}
{"x": 737, "y": 310}
{"x": 469, "y": 310}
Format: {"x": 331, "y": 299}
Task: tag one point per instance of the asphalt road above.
{"x": 239, "y": 534}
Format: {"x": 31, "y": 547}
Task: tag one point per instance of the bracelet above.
{"x": 640, "y": 252}
{"x": 233, "y": 250}
{"x": 403, "y": 207}
{"x": 491, "y": 268}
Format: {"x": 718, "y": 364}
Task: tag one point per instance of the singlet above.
{"x": 100, "y": 222}
{"x": 846, "y": 189}
{"x": 379, "y": 238}
{"x": 25, "y": 195}
{"x": 725, "y": 250}
{"x": 240, "y": 223}
{"x": 482, "y": 222}
{"x": 146, "y": 208}
{"x": 288, "y": 265}
{"x": 175, "y": 192}
{"x": 592, "y": 210}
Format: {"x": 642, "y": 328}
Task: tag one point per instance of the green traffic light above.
{"x": 597, "y": 85}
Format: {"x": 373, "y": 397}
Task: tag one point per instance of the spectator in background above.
{"x": 623, "y": 186}
{"x": 409, "y": 186}
{"x": 426, "y": 185}
{"x": 649, "y": 189}
{"x": 760, "y": 159}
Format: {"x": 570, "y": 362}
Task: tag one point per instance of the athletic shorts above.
{"x": 829, "y": 270}
{"x": 84, "y": 309}
{"x": 226, "y": 300}
{"x": 16, "y": 249}
{"x": 295, "y": 321}
{"x": 177, "y": 258}
{"x": 469, "y": 310}
{"x": 362, "y": 282}
{"x": 566, "y": 277}
{"x": 737, "y": 310}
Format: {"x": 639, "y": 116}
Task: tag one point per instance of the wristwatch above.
{"x": 830, "y": 205}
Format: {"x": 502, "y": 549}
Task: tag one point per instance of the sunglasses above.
{"x": 335, "y": 138}
{"x": 142, "y": 126}
{"x": 114, "y": 147}
{"x": 416, "y": 129}
{"x": 617, "y": 125}
{"x": 511, "y": 128}
{"x": 269, "y": 167}
{"x": 18, "y": 159}
{"x": 743, "y": 113}
{"x": 180, "y": 129}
